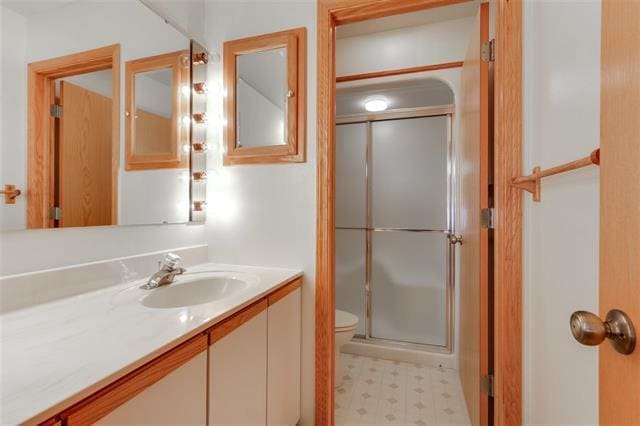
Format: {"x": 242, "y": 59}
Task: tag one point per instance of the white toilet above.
{"x": 346, "y": 324}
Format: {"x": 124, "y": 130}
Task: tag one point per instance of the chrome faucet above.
{"x": 168, "y": 270}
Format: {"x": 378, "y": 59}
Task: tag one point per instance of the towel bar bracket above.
{"x": 531, "y": 186}
{"x": 531, "y": 183}
{"x": 10, "y": 194}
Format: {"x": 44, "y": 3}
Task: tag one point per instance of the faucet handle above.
{"x": 171, "y": 260}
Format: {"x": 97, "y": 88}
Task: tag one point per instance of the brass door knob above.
{"x": 590, "y": 330}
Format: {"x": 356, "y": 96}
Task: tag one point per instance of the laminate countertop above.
{"x": 55, "y": 354}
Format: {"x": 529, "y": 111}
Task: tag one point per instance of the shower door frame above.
{"x": 394, "y": 115}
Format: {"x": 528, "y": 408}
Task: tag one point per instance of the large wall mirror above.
{"x": 265, "y": 106}
{"x": 97, "y": 106}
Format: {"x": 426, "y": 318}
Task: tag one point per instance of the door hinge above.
{"x": 486, "y": 384}
{"x": 487, "y": 218}
{"x": 55, "y": 110}
{"x": 55, "y": 213}
{"x": 488, "y": 51}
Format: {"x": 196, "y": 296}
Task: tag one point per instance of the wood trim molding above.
{"x": 106, "y": 400}
{"x": 325, "y": 226}
{"x": 400, "y": 71}
{"x": 508, "y": 244}
{"x": 508, "y": 203}
{"x": 283, "y": 292}
{"x": 220, "y": 330}
{"x": 180, "y": 107}
{"x": 295, "y": 41}
{"x": 393, "y": 114}
{"x": 41, "y": 75}
{"x": 349, "y": 11}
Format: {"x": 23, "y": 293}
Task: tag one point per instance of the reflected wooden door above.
{"x": 620, "y": 204}
{"x": 84, "y": 152}
{"x": 473, "y": 173}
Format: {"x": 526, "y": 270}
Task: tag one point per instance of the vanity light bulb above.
{"x": 200, "y": 117}
{"x": 184, "y": 90}
{"x": 186, "y": 148}
{"x": 186, "y": 120}
{"x": 200, "y": 58}
{"x": 200, "y": 176}
{"x": 200, "y": 88}
{"x": 200, "y": 146}
{"x": 198, "y": 206}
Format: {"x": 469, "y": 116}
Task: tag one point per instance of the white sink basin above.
{"x": 198, "y": 288}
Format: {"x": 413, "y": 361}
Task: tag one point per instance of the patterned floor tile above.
{"x": 382, "y": 392}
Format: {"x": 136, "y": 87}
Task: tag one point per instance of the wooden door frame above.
{"x": 40, "y": 126}
{"x": 507, "y": 332}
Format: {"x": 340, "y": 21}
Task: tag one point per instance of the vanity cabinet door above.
{"x": 283, "y": 395}
{"x": 238, "y": 368}
{"x": 178, "y": 399}
{"x": 169, "y": 390}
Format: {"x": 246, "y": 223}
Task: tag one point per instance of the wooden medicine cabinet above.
{"x": 265, "y": 103}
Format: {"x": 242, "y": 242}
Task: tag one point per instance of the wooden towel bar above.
{"x": 531, "y": 183}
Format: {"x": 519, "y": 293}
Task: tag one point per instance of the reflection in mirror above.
{"x": 154, "y": 111}
{"x": 261, "y": 90}
{"x": 156, "y": 101}
{"x": 83, "y": 139}
{"x": 63, "y": 127}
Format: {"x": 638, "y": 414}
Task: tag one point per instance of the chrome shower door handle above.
{"x": 454, "y": 238}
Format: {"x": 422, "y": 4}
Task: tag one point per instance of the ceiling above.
{"x": 423, "y": 17}
{"x": 400, "y": 94}
{"x": 29, "y": 8}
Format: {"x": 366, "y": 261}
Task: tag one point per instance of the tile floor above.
{"x": 381, "y": 392}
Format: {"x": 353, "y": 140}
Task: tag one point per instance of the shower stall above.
{"x": 394, "y": 215}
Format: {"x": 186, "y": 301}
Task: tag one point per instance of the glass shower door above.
{"x": 351, "y": 203}
{"x": 409, "y": 222}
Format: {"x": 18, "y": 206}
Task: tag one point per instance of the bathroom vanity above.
{"x": 126, "y": 355}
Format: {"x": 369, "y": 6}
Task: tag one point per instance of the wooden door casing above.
{"x": 474, "y": 196}
{"x": 85, "y": 157}
{"x": 507, "y": 297}
{"x": 620, "y": 204}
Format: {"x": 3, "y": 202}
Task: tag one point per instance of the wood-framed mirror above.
{"x": 157, "y": 111}
{"x": 265, "y": 106}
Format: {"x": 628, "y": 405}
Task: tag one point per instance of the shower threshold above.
{"x": 431, "y": 355}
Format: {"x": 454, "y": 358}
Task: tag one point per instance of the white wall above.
{"x": 13, "y": 124}
{"x": 24, "y": 251}
{"x": 561, "y": 123}
{"x": 429, "y": 44}
{"x": 266, "y": 214}
{"x": 186, "y": 15}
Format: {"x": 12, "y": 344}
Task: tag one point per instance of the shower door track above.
{"x": 408, "y": 113}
